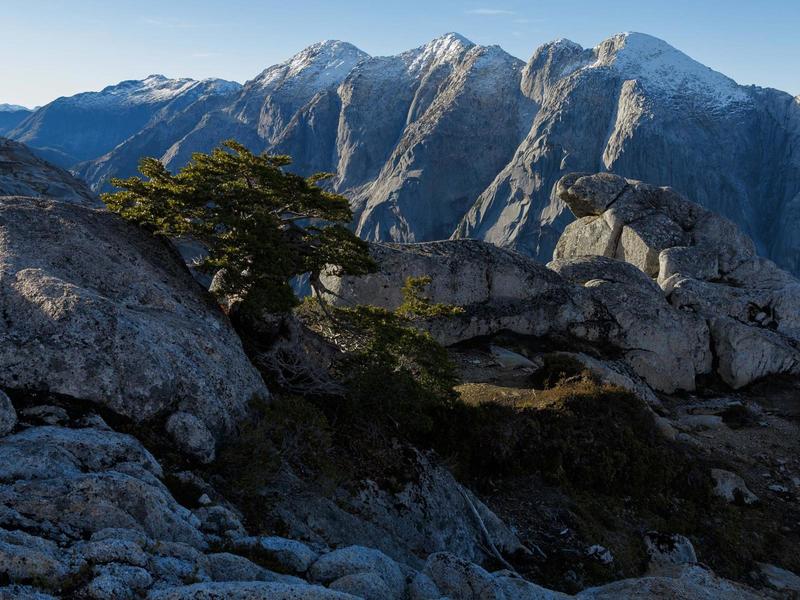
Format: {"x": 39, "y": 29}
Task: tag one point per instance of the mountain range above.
{"x": 454, "y": 139}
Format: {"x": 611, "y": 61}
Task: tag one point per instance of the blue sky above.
{"x": 52, "y": 48}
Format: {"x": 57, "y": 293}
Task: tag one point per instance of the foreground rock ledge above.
{"x": 93, "y": 308}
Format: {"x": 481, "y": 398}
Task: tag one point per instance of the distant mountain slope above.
{"x": 11, "y": 115}
{"x": 85, "y": 126}
{"x": 24, "y": 174}
{"x": 456, "y": 139}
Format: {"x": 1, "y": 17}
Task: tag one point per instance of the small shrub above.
{"x": 289, "y": 431}
{"x": 417, "y": 305}
{"x": 557, "y": 367}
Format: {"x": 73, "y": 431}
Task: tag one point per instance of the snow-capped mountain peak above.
{"x": 326, "y": 63}
{"x": 663, "y": 68}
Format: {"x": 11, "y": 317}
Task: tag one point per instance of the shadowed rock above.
{"x": 97, "y": 310}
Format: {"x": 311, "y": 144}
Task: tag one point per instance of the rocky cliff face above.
{"x": 454, "y": 139}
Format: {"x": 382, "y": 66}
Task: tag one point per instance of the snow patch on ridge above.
{"x": 153, "y": 89}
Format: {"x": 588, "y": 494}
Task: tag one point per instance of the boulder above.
{"x": 729, "y": 486}
{"x": 107, "y": 587}
{"x": 463, "y": 273}
{"x": 704, "y": 264}
{"x": 690, "y": 261}
{"x": 667, "y": 550}
{"x": 134, "y": 578}
{"x": 24, "y": 557}
{"x": 692, "y": 582}
{"x": 98, "y": 310}
{"x": 287, "y": 555}
{"x": 355, "y": 560}
{"x": 499, "y": 290}
{"x": 666, "y": 347}
{"x": 23, "y": 592}
{"x": 587, "y": 236}
{"x": 780, "y": 580}
{"x": 642, "y": 241}
{"x": 645, "y": 220}
{"x": 746, "y": 354}
{"x": 367, "y": 585}
{"x": 218, "y": 520}
{"x": 224, "y": 566}
{"x": 248, "y": 591}
{"x": 421, "y": 587}
{"x": 590, "y": 195}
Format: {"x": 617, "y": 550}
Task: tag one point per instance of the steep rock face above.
{"x": 82, "y": 127}
{"x": 95, "y": 310}
{"x": 704, "y": 264}
{"x": 435, "y": 169}
{"x": 154, "y": 139}
{"x": 23, "y": 174}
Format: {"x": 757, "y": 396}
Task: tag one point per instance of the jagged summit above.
{"x": 402, "y": 131}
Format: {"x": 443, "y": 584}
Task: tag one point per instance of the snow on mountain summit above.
{"x": 326, "y": 63}
{"x": 664, "y": 68}
{"x": 442, "y": 49}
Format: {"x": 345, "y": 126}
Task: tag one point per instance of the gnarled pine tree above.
{"x": 261, "y": 225}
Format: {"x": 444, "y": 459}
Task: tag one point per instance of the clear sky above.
{"x": 52, "y": 48}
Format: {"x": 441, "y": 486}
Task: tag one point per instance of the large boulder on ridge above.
{"x": 498, "y": 290}
{"x": 703, "y": 263}
{"x": 639, "y": 221}
{"x": 95, "y": 309}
